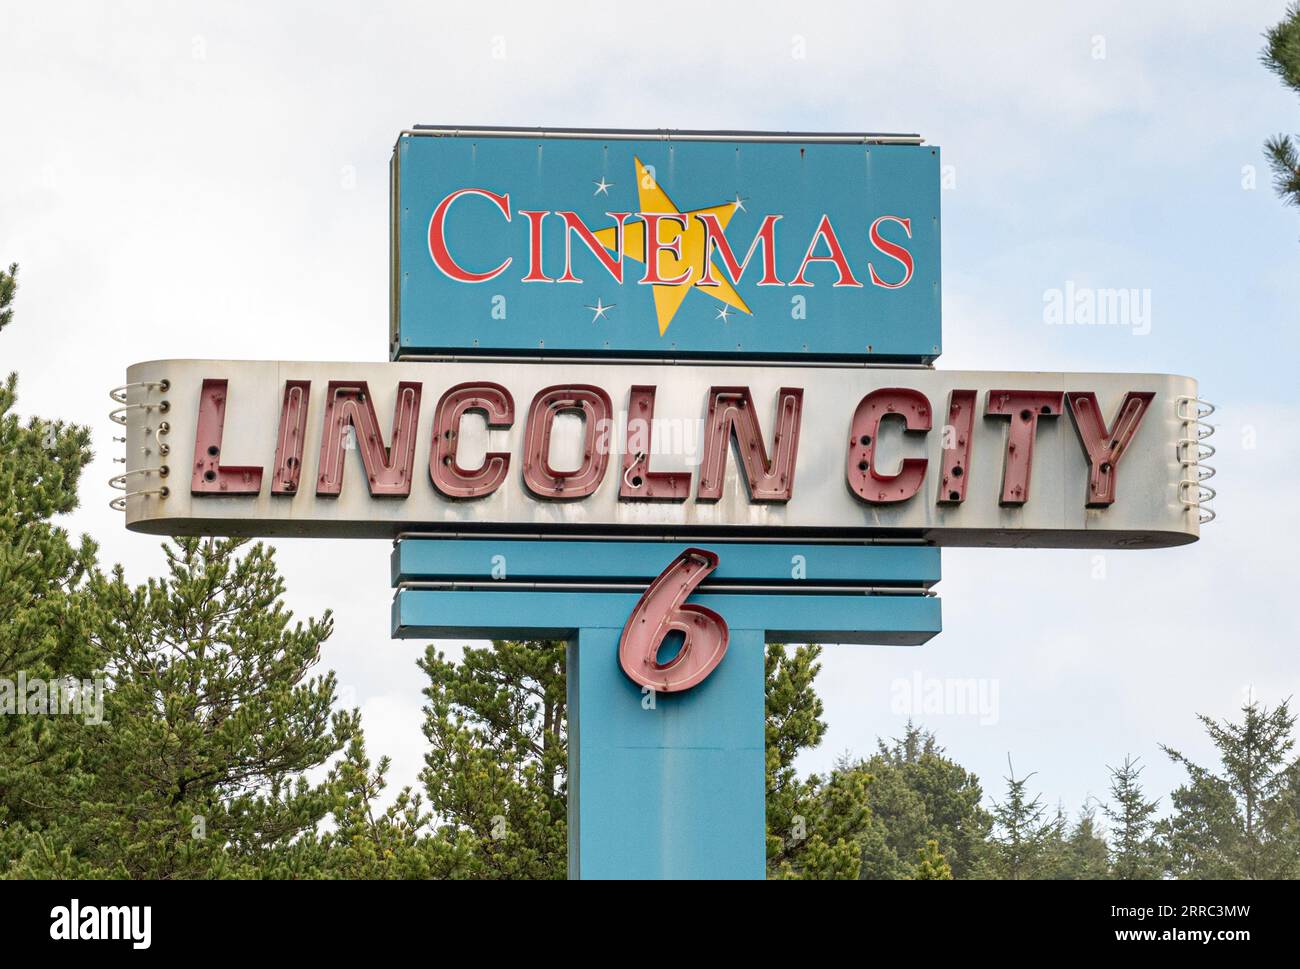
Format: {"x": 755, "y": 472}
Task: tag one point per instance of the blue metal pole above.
{"x": 667, "y": 785}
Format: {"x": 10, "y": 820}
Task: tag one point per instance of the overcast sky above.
{"x": 185, "y": 180}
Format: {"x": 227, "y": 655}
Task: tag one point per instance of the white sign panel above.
{"x": 1073, "y": 460}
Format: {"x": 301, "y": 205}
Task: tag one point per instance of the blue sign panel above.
{"x": 665, "y": 245}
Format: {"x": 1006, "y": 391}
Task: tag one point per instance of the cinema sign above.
{"x": 656, "y": 450}
{"x": 689, "y": 245}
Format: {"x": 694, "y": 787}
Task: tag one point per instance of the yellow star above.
{"x": 669, "y": 298}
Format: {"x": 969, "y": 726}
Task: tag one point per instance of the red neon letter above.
{"x": 827, "y": 232}
{"x": 498, "y": 407}
{"x": 1105, "y": 447}
{"x": 865, "y": 480}
{"x": 438, "y": 241}
{"x": 388, "y": 469}
{"x": 1023, "y": 407}
{"x": 595, "y": 407}
{"x": 209, "y": 477}
{"x": 957, "y": 434}
{"x": 731, "y": 412}
{"x": 638, "y": 480}
{"x": 715, "y": 240}
{"x": 663, "y": 609}
{"x": 291, "y": 437}
{"x": 891, "y": 250}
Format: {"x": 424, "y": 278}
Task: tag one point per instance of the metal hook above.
{"x": 119, "y": 394}
{"x": 119, "y": 503}
{"x": 1192, "y": 411}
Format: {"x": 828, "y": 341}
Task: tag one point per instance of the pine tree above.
{"x": 496, "y": 771}
{"x": 1133, "y": 850}
{"x": 832, "y": 825}
{"x": 1087, "y": 855}
{"x": 815, "y": 826}
{"x": 1242, "y": 822}
{"x": 1281, "y": 822}
{"x": 365, "y": 841}
{"x": 793, "y": 722}
{"x": 930, "y": 864}
{"x": 882, "y": 811}
{"x": 921, "y": 794}
{"x": 1054, "y": 859}
{"x": 8, "y": 287}
{"x": 1202, "y": 838}
{"x": 1281, "y": 55}
{"x": 1022, "y": 830}
{"x": 43, "y": 607}
{"x": 213, "y": 720}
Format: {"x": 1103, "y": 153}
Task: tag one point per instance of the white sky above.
{"x": 185, "y": 180}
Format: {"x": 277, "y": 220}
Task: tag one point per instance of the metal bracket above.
{"x": 1192, "y": 451}
{"x": 120, "y": 415}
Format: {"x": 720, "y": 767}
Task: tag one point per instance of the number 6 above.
{"x": 663, "y": 609}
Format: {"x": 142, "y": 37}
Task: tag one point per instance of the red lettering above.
{"x": 864, "y": 477}
{"x": 388, "y": 469}
{"x": 438, "y": 240}
{"x": 210, "y": 477}
{"x": 542, "y": 479}
{"x": 654, "y": 246}
{"x": 291, "y": 437}
{"x": 1023, "y": 408}
{"x": 893, "y": 251}
{"x": 731, "y": 413}
{"x": 535, "y": 273}
{"x": 715, "y": 240}
{"x": 497, "y": 406}
{"x": 612, "y": 261}
{"x": 1105, "y": 446}
{"x": 836, "y": 256}
{"x": 663, "y": 610}
{"x": 957, "y": 440}
{"x": 639, "y": 481}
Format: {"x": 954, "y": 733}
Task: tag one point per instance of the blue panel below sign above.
{"x": 793, "y": 563}
{"x": 899, "y": 620}
{"x": 672, "y": 788}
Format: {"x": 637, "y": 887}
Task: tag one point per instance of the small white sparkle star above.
{"x": 723, "y": 314}
{"x": 739, "y": 203}
{"x": 602, "y": 187}
{"x": 600, "y": 309}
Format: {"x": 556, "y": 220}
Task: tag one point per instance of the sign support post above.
{"x": 665, "y": 785}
